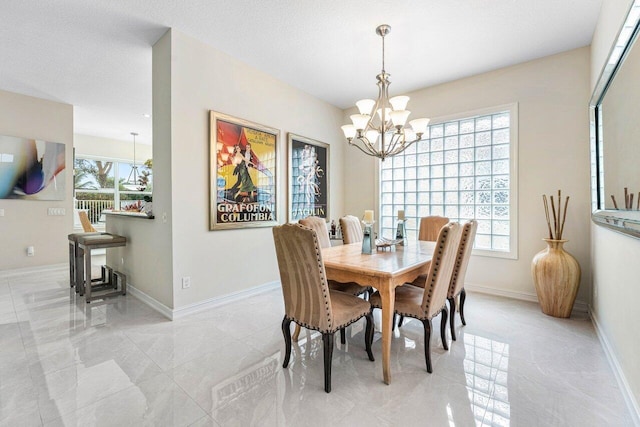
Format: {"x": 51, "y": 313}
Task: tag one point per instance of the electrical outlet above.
{"x": 186, "y": 282}
{"x": 30, "y": 251}
{"x": 1, "y": 212}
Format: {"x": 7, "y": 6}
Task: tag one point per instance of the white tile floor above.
{"x": 119, "y": 363}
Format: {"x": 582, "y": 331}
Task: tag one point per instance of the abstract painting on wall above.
{"x": 31, "y": 169}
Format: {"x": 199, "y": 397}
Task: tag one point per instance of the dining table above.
{"x": 384, "y": 269}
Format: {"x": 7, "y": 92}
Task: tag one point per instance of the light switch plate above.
{"x": 1, "y": 212}
{"x": 56, "y": 212}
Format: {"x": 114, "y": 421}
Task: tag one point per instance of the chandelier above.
{"x": 379, "y": 129}
{"x": 135, "y": 182}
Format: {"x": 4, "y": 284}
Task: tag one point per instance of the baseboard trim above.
{"x": 150, "y": 301}
{"x": 579, "y": 307}
{"x": 223, "y": 300}
{"x": 40, "y": 268}
{"x": 627, "y": 394}
{"x": 186, "y": 310}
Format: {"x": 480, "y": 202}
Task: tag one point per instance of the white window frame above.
{"x": 513, "y": 175}
{"x": 116, "y": 176}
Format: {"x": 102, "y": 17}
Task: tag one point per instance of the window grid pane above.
{"x": 459, "y": 170}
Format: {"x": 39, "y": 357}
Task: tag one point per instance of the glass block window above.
{"x": 463, "y": 168}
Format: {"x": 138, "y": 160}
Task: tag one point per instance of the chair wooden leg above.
{"x": 443, "y": 327}
{"x": 463, "y": 297}
{"x": 296, "y": 333}
{"x": 343, "y": 336}
{"x": 327, "y": 340}
{"x": 427, "y": 343}
{"x": 287, "y": 340}
{"x": 368, "y": 335}
{"x": 452, "y": 312}
{"x": 401, "y": 320}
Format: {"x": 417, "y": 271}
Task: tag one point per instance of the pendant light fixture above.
{"x": 134, "y": 183}
{"x": 378, "y": 130}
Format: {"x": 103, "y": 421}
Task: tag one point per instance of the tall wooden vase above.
{"x": 556, "y": 275}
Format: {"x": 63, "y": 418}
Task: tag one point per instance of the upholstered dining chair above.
{"x": 426, "y": 303}
{"x": 456, "y": 288}
{"x": 319, "y": 226}
{"x": 308, "y": 301}
{"x": 351, "y": 229}
{"x": 430, "y": 227}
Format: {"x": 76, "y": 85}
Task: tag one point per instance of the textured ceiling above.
{"x": 96, "y": 54}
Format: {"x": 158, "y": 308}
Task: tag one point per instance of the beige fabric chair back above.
{"x": 304, "y": 284}
{"x": 351, "y": 229}
{"x": 462, "y": 261}
{"x": 441, "y": 269}
{"x": 430, "y": 227}
{"x": 86, "y": 224}
{"x": 320, "y": 227}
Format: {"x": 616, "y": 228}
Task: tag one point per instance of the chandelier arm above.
{"x": 404, "y": 147}
{"x": 374, "y": 111}
{"x": 395, "y": 138}
{"x": 368, "y": 145}
{"x": 384, "y": 98}
{"x": 367, "y": 152}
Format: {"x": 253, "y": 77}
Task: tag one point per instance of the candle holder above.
{"x": 401, "y": 232}
{"x": 367, "y": 239}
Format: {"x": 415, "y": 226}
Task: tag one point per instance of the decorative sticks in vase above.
{"x": 555, "y": 232}
{"x": 628, "y": 200}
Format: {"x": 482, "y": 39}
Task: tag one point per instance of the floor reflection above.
{"x": 486, "y": 364}
{"x": 118, "y": 362}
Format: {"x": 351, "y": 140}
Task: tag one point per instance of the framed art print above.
{"x": 308, "y": 182}
{"x": 31, "y": 169}
{"x": 243, "y": 173}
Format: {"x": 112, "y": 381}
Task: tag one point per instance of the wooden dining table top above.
{"x": 383, "y": 262}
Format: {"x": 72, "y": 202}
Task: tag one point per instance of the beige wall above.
{"x": 148, "y": 256}
{"x": 552, "y": 95}
{"x": 615, "y": 256}
{"x": 226, "y": 262}
{"x": 26, "y": 222}
{"x": 94, "y": 146}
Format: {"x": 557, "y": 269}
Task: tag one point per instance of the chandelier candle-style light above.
{"x": 378, "y": 130}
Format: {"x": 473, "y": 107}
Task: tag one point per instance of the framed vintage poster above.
{"x": 308, "y": 178}
{"x": 243, "y": 181}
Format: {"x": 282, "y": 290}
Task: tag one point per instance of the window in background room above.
{"x": 464, "y": 168}
{"x": 96, "y": 190}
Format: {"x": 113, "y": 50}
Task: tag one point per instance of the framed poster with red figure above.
{"x": 243, "y": 173}
{"x": 308, "y": 178}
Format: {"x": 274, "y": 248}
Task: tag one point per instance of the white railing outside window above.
{"x": 464, "y": 168}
